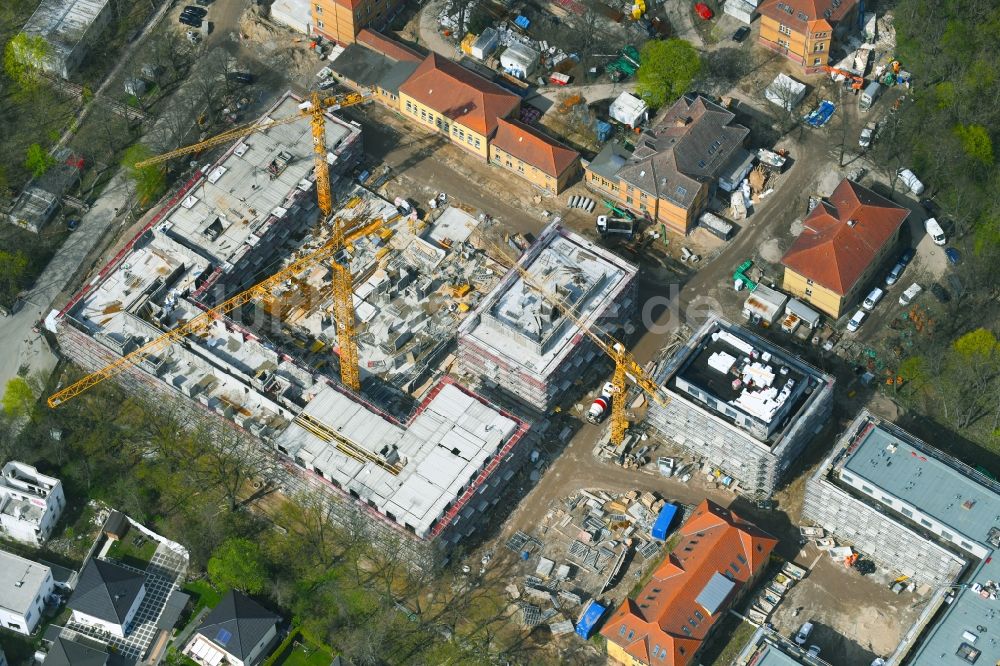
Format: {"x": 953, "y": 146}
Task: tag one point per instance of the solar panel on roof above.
{"x": 223, "y": 637}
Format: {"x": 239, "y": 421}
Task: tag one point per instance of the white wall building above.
{"x": 30, "y": 503}
{"x": 24, "y": 587}
{"x": 107, "y": 596}
{"x": 237, "y": 632}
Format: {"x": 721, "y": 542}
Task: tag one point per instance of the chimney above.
{"x": 851, "y": 223}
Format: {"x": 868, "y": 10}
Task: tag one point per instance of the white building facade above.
{"x": 30, "y": 503}
{"x": 24, "y": 587}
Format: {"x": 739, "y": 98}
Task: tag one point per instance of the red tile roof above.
{"x": 843, "y": 235}
{"x": 388, "y": 47}
{"x": 807, "y": 15}
{"x": 459, "y": 94}
{"x": 532, "y": 147}
{"x": 665, "y": 625}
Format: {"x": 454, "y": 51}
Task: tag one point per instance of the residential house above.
{"x": 803, "y": 30}
{"x": 30, "y": 503}
{"x": 443, "y": 96}
{"x": 107, "y": 596}
{"x": 845, "y": 240}
{"x": 68, "y": 652}
{"x": 378, "y": 64}
{"x": 342, "y": 20}
{"x": 543, "y": 162}
{"x": 693, "y": 149}
{"x": 718, "y": 556}
{"x": 238, "y": 631}
{"x": 24, "y": 588}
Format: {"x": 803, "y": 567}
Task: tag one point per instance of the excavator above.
{"x": 857, "y": 82}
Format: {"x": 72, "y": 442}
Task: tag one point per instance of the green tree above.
{"x": 667, "y": 70}
{"x": 12, "y": 269}
{"x": 22, "y": 59}
{"x": 18, "y": 398}
{"x": 150, "y": 181}
{"x": 976, "y": 143}
{"x": 38, "y": 160}
{"x": 239, "y": 564}
{"x": 978, "y": 346}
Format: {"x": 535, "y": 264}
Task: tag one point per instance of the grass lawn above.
{"x": 202, "y": 595}
{"x": 721, "y": 653}
{"x": 125, "y": 550}
{"x": 304, "y": 654}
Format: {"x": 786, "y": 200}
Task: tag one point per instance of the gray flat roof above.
{"x": 611, "y": 158}
{"x": 63, "y": 23}
{"x": 899, "y": 464}
{"x": 15, "y": 597}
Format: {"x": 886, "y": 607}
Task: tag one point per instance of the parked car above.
{"x": 910, "y": 180}
{"x": 911, "y": 293}
{"x": 804, "y": 632}
{"x": 940, "y": 293}
{"x": 874, "y": 296}
{"x": 203, "y": 3}
{"x": 72, "y": 224}
{"x": 868, "y": 135}
{"x": 246, "y": 78}
{"x": 853, "y": 325}
{"x": 954, "y": 256}
{"x": 929, "y": 206}
{"x": 935, "y": 231}
{"x": 703, "y": 10}
{"x": 200, "y": 12}
{"x": 895, "y": 274}
{"x": 187, "y": 19}
{"x": 814, "y": 650}
{"x": 907, "y": 256}
{"x": 741, "y": 34}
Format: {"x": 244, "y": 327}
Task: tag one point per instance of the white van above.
{"x": 873, "y": 298}
{"x": 911, "y": 292}
{"x": 935, "y": 231}
{"x": 856, "y": 321}
{"x": 911, "y": 181}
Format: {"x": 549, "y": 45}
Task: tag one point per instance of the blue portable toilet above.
{"x": 592, "y": 614}
{"x": 663, "y": 521}
{"x": 603, "y": 130}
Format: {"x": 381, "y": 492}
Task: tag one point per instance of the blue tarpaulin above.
{"x": 821, "y": 115}
{"x": 588, "y": 621}
{"x": 522, "y": 22}
{"x": 663, "y": 521}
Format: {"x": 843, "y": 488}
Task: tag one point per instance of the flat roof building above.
{"x": 30, "y": 503}
{"x": 418, "y": 475}
{"x": 741, "y": 403}
{"x": 69, "y": 28}
{"x": 917, "y": 511}
{"x": 24, "y": 588}
{"x": 519, "y": 342}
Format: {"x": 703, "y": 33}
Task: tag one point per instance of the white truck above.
{"x": 599, "y": 408}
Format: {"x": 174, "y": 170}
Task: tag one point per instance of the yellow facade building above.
{"x": 526, "y": 152}
{"x": 342, "y": 20}
{"x": 846, "y": 241}
{"x": 444, "y": 97}
{"x": 803, "y": 30}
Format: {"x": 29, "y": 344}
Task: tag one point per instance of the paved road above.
{"x": 22, "y": 345}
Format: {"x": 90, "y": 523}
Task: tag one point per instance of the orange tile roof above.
{"x": 665, "y": 625}
{"x": 532, "y": 147}
{"x": 843, "y": 235}
{"x": 807, "y": 15}
{"x": 460, "y": 94}
{"x": 387, "y": 46}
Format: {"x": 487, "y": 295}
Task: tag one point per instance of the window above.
{"x": 520, "y": 165}
{"x": 319, "y": 24}
{"x": 925, "y": 522}
{"x": 621, "y": 632}
{"x": 628, "y": 200}
{"x": 447, "y": 128}
{"x": 907, "y": 512}
{"x": 461, "y": 135}
{"x": 947, "y": 535}
{"x": 698, "y": 615}
{"x": 809, "y": 292}
{"x": 319, "y": 10}
{"x": 785, "y": 30}
{"x": 477, "y": 143}
{"x": 819, "y": 47}
{"x": 867, "y": 489}
{"x": 437, "y": 122}
{"x": 817, "y": 61}
{"x": 423, "y": 115}
{"x": 809, "y": 281}
{"x": 783, "y": 43}
{"x": 966, "y": 544}
{"x": 631, "y": 634}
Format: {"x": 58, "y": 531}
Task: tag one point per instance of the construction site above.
{"x": 520, "y": 341}
{"x": 741, "y": 404}
{"x": 174, "y": 316}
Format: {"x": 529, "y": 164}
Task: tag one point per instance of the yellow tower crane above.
{"x": 205, "y": 319}
{"x": 315, "y": 110}
{"x": 625, "y": 364}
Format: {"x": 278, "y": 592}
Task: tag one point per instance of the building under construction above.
{"x": 427, "y": 466}
{"x": 741, "y": 404}
{"x": 518, "y": 342}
